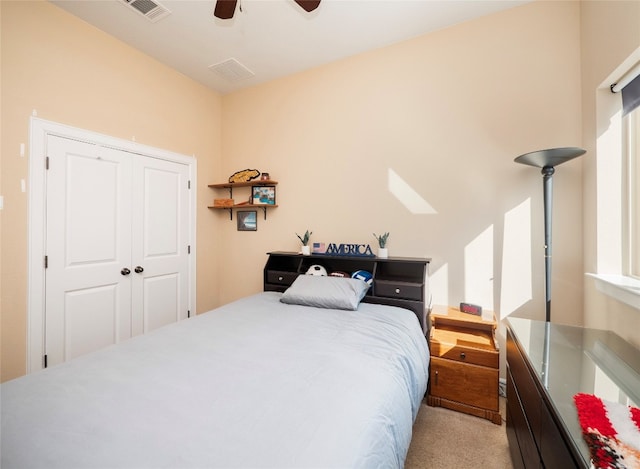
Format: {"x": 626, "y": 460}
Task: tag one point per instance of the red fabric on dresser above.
{"x": 611, "y": 430}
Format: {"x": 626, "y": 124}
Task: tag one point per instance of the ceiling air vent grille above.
{"x": 150, "y": 9}
{"x": 232, "y": 70}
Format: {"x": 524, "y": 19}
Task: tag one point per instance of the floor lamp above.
{"x": 548, "y": 160}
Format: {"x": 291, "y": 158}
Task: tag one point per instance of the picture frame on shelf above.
{"x": 263, "y": 195}
{"x": 247, "y": 220}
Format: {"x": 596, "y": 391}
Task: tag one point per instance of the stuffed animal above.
{"x": 340, "y": 274}
{"x": 317, "y": 270}
{"x": 363, "y": 275}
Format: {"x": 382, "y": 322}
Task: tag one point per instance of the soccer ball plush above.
{"x": 317, "y": 270}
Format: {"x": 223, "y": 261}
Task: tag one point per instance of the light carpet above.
{"x": 445, "y": 439}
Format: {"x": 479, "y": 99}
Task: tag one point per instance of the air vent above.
{"x": 150, "y": 9}
{"x": 231, "y": 70}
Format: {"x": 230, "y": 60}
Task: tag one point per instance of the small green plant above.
{"x": 382, "y": 239}
{"x": 305, "y": 239}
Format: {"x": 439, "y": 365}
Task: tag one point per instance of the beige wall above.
{"x": 448, "y": 112}
{"x": 1, "y": 212}
{"x": 74, "y": 74}
{"x": 610, "y": 35}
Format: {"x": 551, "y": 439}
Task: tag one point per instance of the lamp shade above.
{"x": 551, "y": 157}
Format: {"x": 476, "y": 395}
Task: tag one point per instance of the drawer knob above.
{"x": 397, "y": 290}
{"x": 280, "y": 279}
{"x": 462, "y": 355}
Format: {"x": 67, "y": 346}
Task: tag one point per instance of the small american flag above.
{"x": 319, "y": 248}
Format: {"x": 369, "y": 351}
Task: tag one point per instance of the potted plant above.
{"x": 382, "y": 243}
{"x": 306, "y": 250}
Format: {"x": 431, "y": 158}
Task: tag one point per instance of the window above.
{"x": 618, "y": 185}
{"x": 632, "y": 194}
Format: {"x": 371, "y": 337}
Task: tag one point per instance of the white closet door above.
{"x": 117, "y": 235}
{"x": 160, "y": 243}
{"x": 88, "y": 243}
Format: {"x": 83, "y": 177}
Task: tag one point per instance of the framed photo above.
{"x": 263, "y": 195}
{"x": 248, "y": 220}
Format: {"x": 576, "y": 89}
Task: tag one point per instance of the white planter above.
{"x": 383, "y": 253}
{"x": 306, "y": 250}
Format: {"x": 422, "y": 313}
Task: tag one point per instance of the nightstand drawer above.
{"x": 391, "y": 289}
{"x": 469, "y": 384}
{"x": 278, "y": 277}
{"x": 464, "y": 345}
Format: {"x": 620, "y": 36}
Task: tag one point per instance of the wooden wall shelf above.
{"x": 264, "y": 208}
{"x": 255, "y": 182}
{"x": 231, "y": 185}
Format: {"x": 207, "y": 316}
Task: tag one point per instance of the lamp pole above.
{"x": 547, "y": 182}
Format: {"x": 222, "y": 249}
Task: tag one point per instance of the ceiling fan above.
{"x": 226, "y": 8}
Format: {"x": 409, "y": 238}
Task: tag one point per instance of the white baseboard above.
{"x": 502, "y": 387}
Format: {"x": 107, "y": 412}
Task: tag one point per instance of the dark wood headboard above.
{"x": 397, "y": 281}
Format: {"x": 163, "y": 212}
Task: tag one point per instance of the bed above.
{"x": 255, "y": 383}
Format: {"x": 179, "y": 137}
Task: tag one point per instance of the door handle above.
{"x": 138, "y": 269}
{"x": 125, "y": 271}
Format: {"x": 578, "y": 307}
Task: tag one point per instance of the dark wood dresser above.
{"x": 547, "y": 364}
{"x": 397, "y": 281}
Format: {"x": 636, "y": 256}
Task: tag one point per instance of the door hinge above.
{"x": 46, "y": 162}
{"x": 44, "y": 361}
{"x": 46, "y": 262}
{"x": 188, "y": 313}
{"x": 189, "y": 184}
{"x": 188, "y": 249}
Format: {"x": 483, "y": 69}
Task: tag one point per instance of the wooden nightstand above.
{"x": 464, "y": 363}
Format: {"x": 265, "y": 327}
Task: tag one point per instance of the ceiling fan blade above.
{"x": 308, "y": 5}
{"x": 225, "y": 9}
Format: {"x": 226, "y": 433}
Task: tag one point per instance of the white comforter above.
{"x": 255, "y": 383}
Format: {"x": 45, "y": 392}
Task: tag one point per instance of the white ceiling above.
{"x": 273, "y": 38}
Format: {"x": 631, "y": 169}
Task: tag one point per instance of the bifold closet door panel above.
{"x": 160, "y": 256}
{"x": 88, "y": 244}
